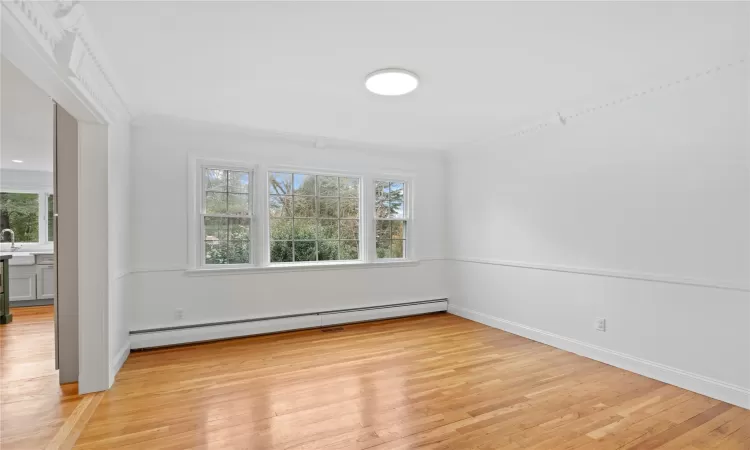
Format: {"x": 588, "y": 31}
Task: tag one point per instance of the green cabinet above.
{"x": 5, "y": 315}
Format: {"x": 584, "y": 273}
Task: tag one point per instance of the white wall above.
{"x": 159, "y": 285}
{"x": 119, "y": 217}
{"x": 554, "y": 229}
{"x": 26, "y": 121}
{"x": 34, "y": 180}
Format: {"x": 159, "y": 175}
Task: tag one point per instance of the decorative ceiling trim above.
{"x": 560, "y": 118}
{"x": 63, "y": 34}
{"x": 318, "y": 142}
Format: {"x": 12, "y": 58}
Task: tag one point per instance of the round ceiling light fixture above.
{"x": 391, "y": 82}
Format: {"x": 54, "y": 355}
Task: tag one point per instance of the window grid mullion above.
{"x": 227, "y": 217}
{"x": 317, "y": 218}
{"x": 226, "y": 196}
{"x": 404, "y": 219}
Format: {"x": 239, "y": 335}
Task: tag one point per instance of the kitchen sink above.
{"x": 21, "y": 258}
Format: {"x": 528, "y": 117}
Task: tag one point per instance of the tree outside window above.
{"x": 20, "y": 213}
{"x": 390, "y": 220}
{"x": 313, "y": 217}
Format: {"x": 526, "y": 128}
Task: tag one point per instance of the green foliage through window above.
{"x": 313, "y": 217}
{"x": 50, "y": 218}
{"x": 390, "y": 219}
{"x": 227, "y": 222}
{"x": 20, "y": 213}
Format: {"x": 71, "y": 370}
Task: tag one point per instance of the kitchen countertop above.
{"x": 25, "y": 258}
{"x": 30, "y": 252}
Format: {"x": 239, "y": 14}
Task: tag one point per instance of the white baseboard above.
{"x": 212, "y": 332}
{"x": 367, "y": 315}
{"x": 120, "y": 359}
{"x": 710, "y": 387}
{"x": 179, "y": 336}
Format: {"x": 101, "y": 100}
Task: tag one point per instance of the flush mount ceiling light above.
{"x": 17, "y": 161}
{"x": 391, "y": 82}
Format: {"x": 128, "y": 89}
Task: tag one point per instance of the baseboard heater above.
{"x": 161, "y": 337}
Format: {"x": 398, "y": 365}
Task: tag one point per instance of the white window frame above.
{"x": 196, "y": 226}
{"x": 42, "y": 195}
{"x": 260, "y": 239}
{"x": 408, "y": 213}
{"x": 317, "y": 172}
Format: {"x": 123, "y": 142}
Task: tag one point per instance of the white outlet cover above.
{"x": 601, "y": 324}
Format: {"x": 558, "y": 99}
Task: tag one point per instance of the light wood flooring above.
{"x": 35, "y": 411}
{"x": 434, "y": 382}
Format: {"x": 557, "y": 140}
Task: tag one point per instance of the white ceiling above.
{"x": 485, "y": 67}
{"x": 27, "y": 122}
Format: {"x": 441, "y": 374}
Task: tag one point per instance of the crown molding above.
{"x": 62, "y": 36}
{"x": 319, "y": 142}
{"x": 563, "y": 115}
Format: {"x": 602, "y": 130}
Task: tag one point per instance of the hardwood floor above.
{"x": 437, "y": 382}
{"x": 34, "y": 408}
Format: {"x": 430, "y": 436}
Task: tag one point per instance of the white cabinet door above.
{"x": 22, "y": 280}
{"x": 45, "y": 281}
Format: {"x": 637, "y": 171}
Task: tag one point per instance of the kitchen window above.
{"x": 28, "y": 214}
{"x": 390, "y": 219}
{"x": 50, "y": 218}
{"x": 226, "y": 216}
{"x": 313, "y": 217}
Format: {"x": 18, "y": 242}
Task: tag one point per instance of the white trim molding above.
{"x": 61, "y": 35}
{"x": 120, "y": 358}
{"x": 53, "y": 44}
{"x": 301, "y": 267}
{"x": 600, "y": 103}
{"x": 640, "y": 276}
{"x": 711, "y": 387}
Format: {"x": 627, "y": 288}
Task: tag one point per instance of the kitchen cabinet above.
{"x": 33, "y": 280}
{"x": 45, "y": 281}
{"x": 22, "y": 283}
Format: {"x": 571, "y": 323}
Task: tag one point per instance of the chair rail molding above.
{"x": 612, "y": 273}
{"x": 61, "y": 35}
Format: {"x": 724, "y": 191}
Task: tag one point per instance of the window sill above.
{"x": 299, "y": 267}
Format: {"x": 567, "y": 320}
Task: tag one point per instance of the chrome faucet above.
{"x": 12, "y": 237}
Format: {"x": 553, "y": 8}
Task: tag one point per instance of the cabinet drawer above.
{"x": 45, "y": 259}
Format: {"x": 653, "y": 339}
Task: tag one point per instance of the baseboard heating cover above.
{"x": 160, "y": 337}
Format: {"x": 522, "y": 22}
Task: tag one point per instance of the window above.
{"x": 390, "y": 219}
{"x": 20, "y": 213}
{"x": 313, "y": 217}
{"x": 26, "y": 213}
{"x": 226, "y": 216}
{"x": 50, "y": 218}
{"x": 308, "y": 218}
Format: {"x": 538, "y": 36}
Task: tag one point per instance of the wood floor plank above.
{"x": 435, "y": 382}
{"x": 34, "y": 407}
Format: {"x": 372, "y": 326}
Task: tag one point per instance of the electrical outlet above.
{"x": 600, "y": 324}
{"x": 179, "y": 313}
